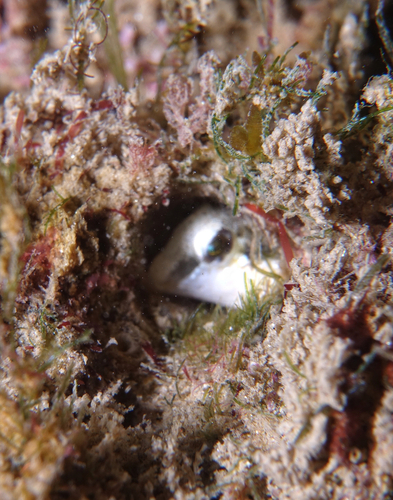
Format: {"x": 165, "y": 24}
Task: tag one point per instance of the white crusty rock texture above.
{"x": 108, "y": 390}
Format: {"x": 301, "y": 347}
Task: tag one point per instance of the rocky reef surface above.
{"x": 137, "y": 115}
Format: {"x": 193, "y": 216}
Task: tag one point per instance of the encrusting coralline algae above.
{"x": 109, "y": 391}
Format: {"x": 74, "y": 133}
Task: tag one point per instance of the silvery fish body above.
{"x": 214, "y": 256}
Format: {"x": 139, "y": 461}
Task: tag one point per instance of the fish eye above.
{"x": 219, "y": 245}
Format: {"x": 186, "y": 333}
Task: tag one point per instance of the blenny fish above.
{"x": 216, "y": 257}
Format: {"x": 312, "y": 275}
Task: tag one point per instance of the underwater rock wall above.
{"x": 111, "y": 391}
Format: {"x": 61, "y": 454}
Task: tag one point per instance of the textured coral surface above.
{"x": 114, "y": 131}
